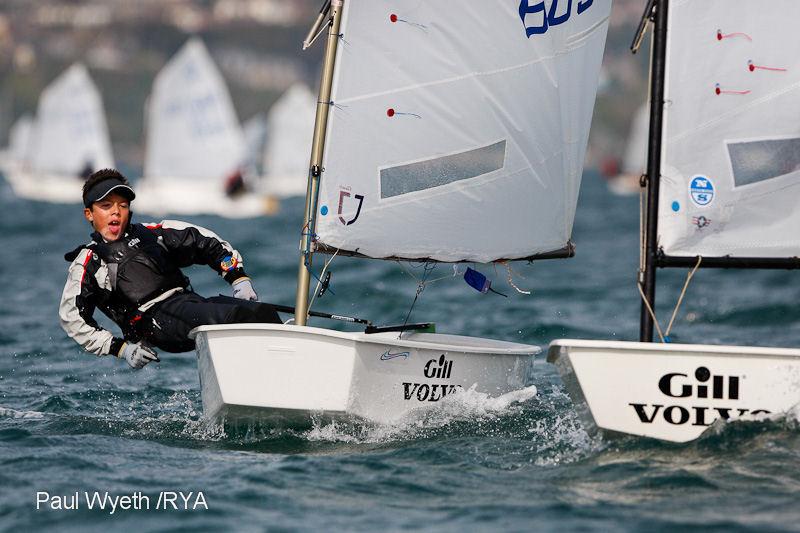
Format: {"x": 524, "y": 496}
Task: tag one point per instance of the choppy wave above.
{"x": 547, "y": 432}
{"x": 544, "y": 422}
{"x": 737, "y": 430}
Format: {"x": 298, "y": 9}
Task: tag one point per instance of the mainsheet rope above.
{"x": 689, "y": 277}
{"x": 664, "y": 336}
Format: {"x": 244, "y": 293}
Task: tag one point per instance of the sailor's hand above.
{"x": 243, "y": 289}
{"x": 137, "y": 355}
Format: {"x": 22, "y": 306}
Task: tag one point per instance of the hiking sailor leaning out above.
{"x": 132, "y": 273}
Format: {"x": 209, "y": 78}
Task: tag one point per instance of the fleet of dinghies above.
{"x": 49, "y": 154}
{"x": 198, "y": 158}
{"x": 723, "y": 191}
{"x": 446, "y": 131}
{"x": 195, "y": 147}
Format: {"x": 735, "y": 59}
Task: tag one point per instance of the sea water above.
{"x": 77, "y": 430}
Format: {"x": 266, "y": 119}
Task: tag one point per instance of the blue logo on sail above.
{"x": 537, "y": 17}
{"x": 701, "y": 189}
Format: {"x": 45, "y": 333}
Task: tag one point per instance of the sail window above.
{"x": 404, "y": 179}
{"x": 756, "y": 161}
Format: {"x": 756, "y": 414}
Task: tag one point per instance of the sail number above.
{"x": 537, "y": 17}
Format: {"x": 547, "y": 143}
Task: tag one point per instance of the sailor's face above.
{"x": 109, "y": 216}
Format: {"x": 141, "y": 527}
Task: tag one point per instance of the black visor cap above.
{"x": 104, "y": 188}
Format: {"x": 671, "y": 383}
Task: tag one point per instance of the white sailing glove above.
{"x": 243, "y": 289}
{"x": 137, "y": 355}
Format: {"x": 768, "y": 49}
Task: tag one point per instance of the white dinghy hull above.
{"x": 44, "y": 186}
{"x": 283, "y": 373}
{"x": 673, "y": 392}
{"x": 157, "y": 197}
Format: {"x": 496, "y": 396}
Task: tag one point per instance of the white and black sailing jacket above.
{"x": 124, "y": 278}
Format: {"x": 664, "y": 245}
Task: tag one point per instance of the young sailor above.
{"x": 132, "y": 273}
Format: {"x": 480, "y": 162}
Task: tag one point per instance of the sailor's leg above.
{"x": 167, "y": 325}
{"x": 247, "y": 312}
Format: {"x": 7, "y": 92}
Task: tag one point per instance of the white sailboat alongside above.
{"x": 723, "y": 192}
{"x": 445, "y": 131}
{"x": 290, "y": 131}
{"x": 68, "y": 136}
{"x": 194, "y": 143}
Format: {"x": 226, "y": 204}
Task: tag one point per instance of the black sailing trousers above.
{"x": 167, "y": 324}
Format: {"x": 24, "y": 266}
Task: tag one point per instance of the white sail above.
{"x": 458, "y": 129}
{"x": 20, "y": 138}
{"x": 192, "y": 128}
{"x": 71, "y": 130}
{"x": 635, "y": 158}
{"x": 255, "y": 137}
{"x": 730, "y": 181}
{"x": 290, "y": 131}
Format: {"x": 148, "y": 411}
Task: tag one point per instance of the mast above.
{"x": 653, "y": 176}
{"x": 315, "y": 165}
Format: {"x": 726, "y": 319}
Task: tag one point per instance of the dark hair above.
{"x": 103, "y": 175}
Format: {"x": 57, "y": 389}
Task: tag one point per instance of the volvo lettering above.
{"x": 437, "y": 368}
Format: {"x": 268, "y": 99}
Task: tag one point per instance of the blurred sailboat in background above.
{"x": 290, "y": 131}
{"x": 255, "y": 139}
{"x": 194, "y": 143}
{"x": 19, "y": 138}
{"x": 49, "y": 156}
{"x": 635, "y": 159}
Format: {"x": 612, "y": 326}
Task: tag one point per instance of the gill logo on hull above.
{"x": 439, "y": 368}
{"x": 720, "y": 389}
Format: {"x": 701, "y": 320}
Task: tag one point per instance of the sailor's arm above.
{"x": 195, "y": 245}
{"x": 77, "y": 307}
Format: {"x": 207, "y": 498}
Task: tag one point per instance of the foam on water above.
{"x": 468, "y": 406}
{"x": 557, "y": 434}
{"x": 792, "y": 416}
{"x": 6, "y": 412}
{"x": 545, "y": 432}
{"x": 177, "y": 412}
